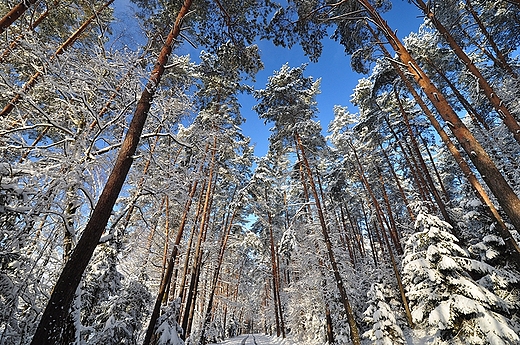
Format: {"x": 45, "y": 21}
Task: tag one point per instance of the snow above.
{"x": 257, "y": 339}
{"x": 446, "y": 264}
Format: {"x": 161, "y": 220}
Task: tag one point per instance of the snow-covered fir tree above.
{"x": 381, "y": 317}
{"x": 444, "y": 298}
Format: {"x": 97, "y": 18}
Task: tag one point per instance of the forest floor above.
{"x": 256, "y": 339}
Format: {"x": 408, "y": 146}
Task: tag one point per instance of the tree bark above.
{"x": 347, "y": 237}
{"x": 32, "y": 26}
{"x": 375, "y": 202}
{"x": 49, "y": 329}
{"x": 190, "y": 298}
{"x": 424, "y": 167}
{"x": 413, "y": 166}
{"x": 14, "y": 14}
{"x": 276, "y": 279}
{"x": 398, "y": 183}
{"x": 166, "y": 238}
{"x": 380, "y": 218}
{"x": 373, "y": 237}
{"x": 394, "y": 233}
{"x": 434, "y": 167}
{"x": 182, "y": 286}
{"x": 512, "y": 245}
{"x": 396, "y": 270}
{"x": 273, "y": 273}
{"x": 473, "y": 113}
{"x": 500, "y": 59}
{"x": 214, "y": 280}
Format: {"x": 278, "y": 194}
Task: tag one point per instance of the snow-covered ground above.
{"x": 256, "y": 339}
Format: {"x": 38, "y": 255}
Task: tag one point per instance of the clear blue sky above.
{"x": 333, "y": 67}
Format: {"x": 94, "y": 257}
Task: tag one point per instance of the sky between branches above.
{"x": 333, "y": 67}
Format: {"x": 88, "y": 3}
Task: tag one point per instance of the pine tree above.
{"x": 289, "y": 102}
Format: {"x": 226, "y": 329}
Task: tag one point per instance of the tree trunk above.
{"x": 150, "y": 237}
{"x": 482, "y": 161}
{"x": 434, "y": 167}
{"x": 273, "y": 272}
{"x": 347, "y": 237}
{"x": 375, "y": 202}
{"x": 214, "y": 280}
{"x": 493, "y": 98}
{"x": 394, "y": 265}
{"x": 69, "y": 42}
{"x": 166, "y": 238}
{"x": 133, "y": 202}
{"x": 424, "y": 167}
{"x": 413, "y": 166}
{"x": 512, "y": 245}
{"x": 191, "y": 301}
{"x": 276, "y": 279}
{"x": 394, "y": 233}
{"x": 14, "y": 14}
{"x": 49, "y": 330}
{"x": 32, "y": 26}
{"x": 500, "y": 58}
{"x": 379, "y": 216}
{"x": 161, "y": 295}
{"x": 354, "y": 331}
{"x": 473, "y": 113}
{"x": 191, "y": 296}
{"x": 373, "y": 237}
{"x": 328, "y": 325}
{"x": 182, "y": 286}
{"x": 398, "y": 183}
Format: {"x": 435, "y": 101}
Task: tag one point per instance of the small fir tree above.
{"x": 381, "y": 317}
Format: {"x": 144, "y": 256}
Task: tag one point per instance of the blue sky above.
{"x": 333, "y": 67}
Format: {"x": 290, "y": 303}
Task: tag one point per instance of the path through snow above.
{"x": 256, "y": 339}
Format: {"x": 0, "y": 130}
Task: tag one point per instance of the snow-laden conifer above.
{"x": 442, "y": 293}
{"x": 121, "y": 317}
{"x": 381, "y": 317}
{"x": 168, "y": 330}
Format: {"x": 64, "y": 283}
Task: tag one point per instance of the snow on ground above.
{"x": 257, "y": 339}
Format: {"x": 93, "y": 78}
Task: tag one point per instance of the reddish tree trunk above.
{"x": 416, "y": 177}
{"x": 473, "y": 113}
{"x": 69, "y": 42}
{"x": 394, "y": 267}
{"x": 347, "y": 237}
{"x": 481, "y": 194}
{"x": 14, "y": 14}
{"x": 354, "y": 331}
{"x": 482, "y": 161}
{"x": 493, "y": 98}
{"x": 187, "y": 318}
{"x": 49, "y": 330}
{"x": 32, "y": 26}
{"x": 398, "y": 183}
{"x": 214, "y": 280}
{"x": 424, "y": 167}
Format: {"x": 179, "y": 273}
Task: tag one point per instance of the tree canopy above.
{"x": 133, "y": 209}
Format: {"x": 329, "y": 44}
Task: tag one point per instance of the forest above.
{"x": 133, "y": 209}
